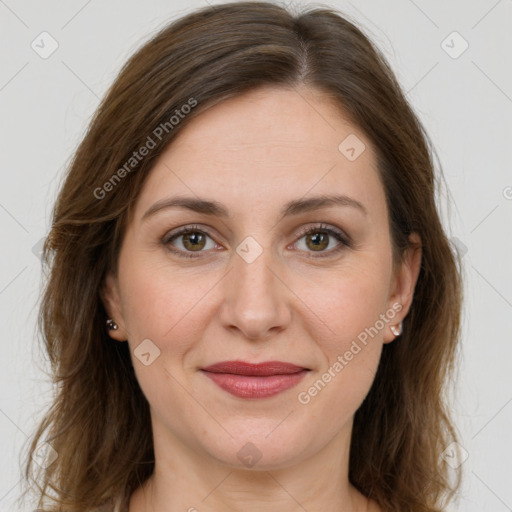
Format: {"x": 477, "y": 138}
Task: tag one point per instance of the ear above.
{"x": 403, "y": 284}
{"x": 111, "y": 301}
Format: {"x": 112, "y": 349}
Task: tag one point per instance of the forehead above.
{"x": 266, "y": 147}
{"x": 283, "y": 120}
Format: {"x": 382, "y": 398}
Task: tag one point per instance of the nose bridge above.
{"x": 251, "y": 266}
{"x": 255, "y": 299}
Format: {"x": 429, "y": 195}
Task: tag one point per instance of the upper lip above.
{"x": 256, "y": 369}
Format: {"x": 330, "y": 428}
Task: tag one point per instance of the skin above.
{"x": 253, "y": 154}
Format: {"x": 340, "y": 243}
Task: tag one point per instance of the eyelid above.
{"x": 332, "y": 230}
{"x": 176, "y": 233}
{"x": 189, "y": 228}
{"x": 342, "y": 237}
{"x": 344, "y": 240}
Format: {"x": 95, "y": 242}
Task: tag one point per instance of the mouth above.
{"x": 248, "y": 380}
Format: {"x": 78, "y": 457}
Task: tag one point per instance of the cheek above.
{"x": 348, "y": 302}
{"x": 167, "y": 309}
{"x": 348, "y": 307}
{"x": 156, "y": 297}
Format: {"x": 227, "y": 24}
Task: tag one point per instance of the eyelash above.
{"x": 322, "y": 228}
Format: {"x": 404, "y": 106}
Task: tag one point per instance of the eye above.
{"x": 318, "y": 239}
{"x": 191, "y": 241}
{"x": 187, "y": 241}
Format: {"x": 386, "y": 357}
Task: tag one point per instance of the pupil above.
{"x": 318, "y": 240}
{"x": 193, "y": 240}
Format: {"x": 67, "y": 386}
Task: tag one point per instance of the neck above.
{"x": 184, "y": 479}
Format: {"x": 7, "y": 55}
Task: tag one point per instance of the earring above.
{"x": 111, "y": 325}
{"x": 396, "y": 329}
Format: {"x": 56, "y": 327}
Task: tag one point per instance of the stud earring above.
{"x": 111, "y": 325}
{"x": 396, "y": 329}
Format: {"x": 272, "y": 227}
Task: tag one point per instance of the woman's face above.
{"x": 246, "y": 283}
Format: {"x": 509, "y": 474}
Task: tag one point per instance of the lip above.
{"x": 261, "y": 380}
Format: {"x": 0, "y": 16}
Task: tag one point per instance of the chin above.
{"x": 261, "y": 449}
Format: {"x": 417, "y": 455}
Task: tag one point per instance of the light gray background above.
{"x": 465, "y": 104}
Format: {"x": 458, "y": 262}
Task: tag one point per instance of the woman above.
{"x": 251, "y": 301}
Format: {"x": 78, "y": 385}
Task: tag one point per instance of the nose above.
{"x": 256, "y": 302}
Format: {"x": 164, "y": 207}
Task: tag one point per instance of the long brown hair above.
{"x": 99, "y": 424}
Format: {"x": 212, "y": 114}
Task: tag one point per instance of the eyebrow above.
{"x": 295, "y": 207}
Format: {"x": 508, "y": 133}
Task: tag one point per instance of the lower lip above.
{"x": 245, "y": 386}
